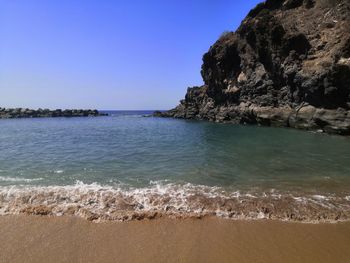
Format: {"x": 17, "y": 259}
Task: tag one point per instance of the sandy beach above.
{"x": 70, "y": 239}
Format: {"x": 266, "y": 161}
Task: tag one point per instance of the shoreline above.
{"x": 71, "y": 239}
{"x": 304, "y": 117}
{"x": 107, "y": 203}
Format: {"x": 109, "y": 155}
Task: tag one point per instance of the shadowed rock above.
{"x": 288, "y": 64}
{"x": 7, "y": 113}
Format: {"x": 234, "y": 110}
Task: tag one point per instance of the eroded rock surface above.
{"x": 288, "y": 64}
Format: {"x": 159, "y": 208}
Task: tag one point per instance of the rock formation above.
{"x": 288, "y": 64}
{"x": 8, "y": 113}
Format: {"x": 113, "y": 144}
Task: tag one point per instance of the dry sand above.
{"x": 69, "y": 239}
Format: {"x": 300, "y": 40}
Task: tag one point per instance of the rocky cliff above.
{"x": 288, "y": 64}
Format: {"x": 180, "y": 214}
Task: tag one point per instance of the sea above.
{"x": 131, "y": 166}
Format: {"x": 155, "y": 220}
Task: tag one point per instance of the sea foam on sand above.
{"x": 98, "y": 202}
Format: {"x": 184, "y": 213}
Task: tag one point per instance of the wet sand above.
{"x": 70, "y": 239}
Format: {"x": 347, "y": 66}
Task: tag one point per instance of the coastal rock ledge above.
{"x": 288, "y": 64}
{"x": 13, "y": 113}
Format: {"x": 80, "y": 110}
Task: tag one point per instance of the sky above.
{"x": 108, "y": 54}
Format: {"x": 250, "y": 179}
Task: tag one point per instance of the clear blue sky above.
{"x": 107, "y": 54}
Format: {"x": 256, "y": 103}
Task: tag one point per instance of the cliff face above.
{"x": 288, "y": 64}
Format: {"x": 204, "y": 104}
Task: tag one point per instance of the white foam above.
{"x": 18, "y": 179}
{"x": 300, "y": 199}
{"x": 319, "y": 197}
{"x": 261, "y": 215}
{"x": 160, "y": 196}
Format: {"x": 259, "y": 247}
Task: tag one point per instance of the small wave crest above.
{"x": 97, "y": 202}
{"x": 18, "y": 179}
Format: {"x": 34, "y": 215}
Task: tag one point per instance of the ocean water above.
{"x": 130, "y": 166}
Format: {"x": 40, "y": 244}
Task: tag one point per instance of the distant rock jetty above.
{"x": 13, "y": 113}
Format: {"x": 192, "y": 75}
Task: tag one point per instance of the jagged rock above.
{"x": 7, "y": 113}
{"x": 288, "y": 64}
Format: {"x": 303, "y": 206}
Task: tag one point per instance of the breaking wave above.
{"x": 96, "y": 202}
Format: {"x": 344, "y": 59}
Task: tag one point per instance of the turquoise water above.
{"x": 130, "y": 151}
{"x": 134, "y": 150}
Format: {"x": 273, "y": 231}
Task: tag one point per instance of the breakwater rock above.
{"x": 10, "y": 113}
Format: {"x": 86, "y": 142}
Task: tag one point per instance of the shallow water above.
{"x": 153, "y": 162}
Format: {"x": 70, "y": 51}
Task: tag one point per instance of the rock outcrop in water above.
{"x": 288, "y": 64}
{"x": 9, "y": 113}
